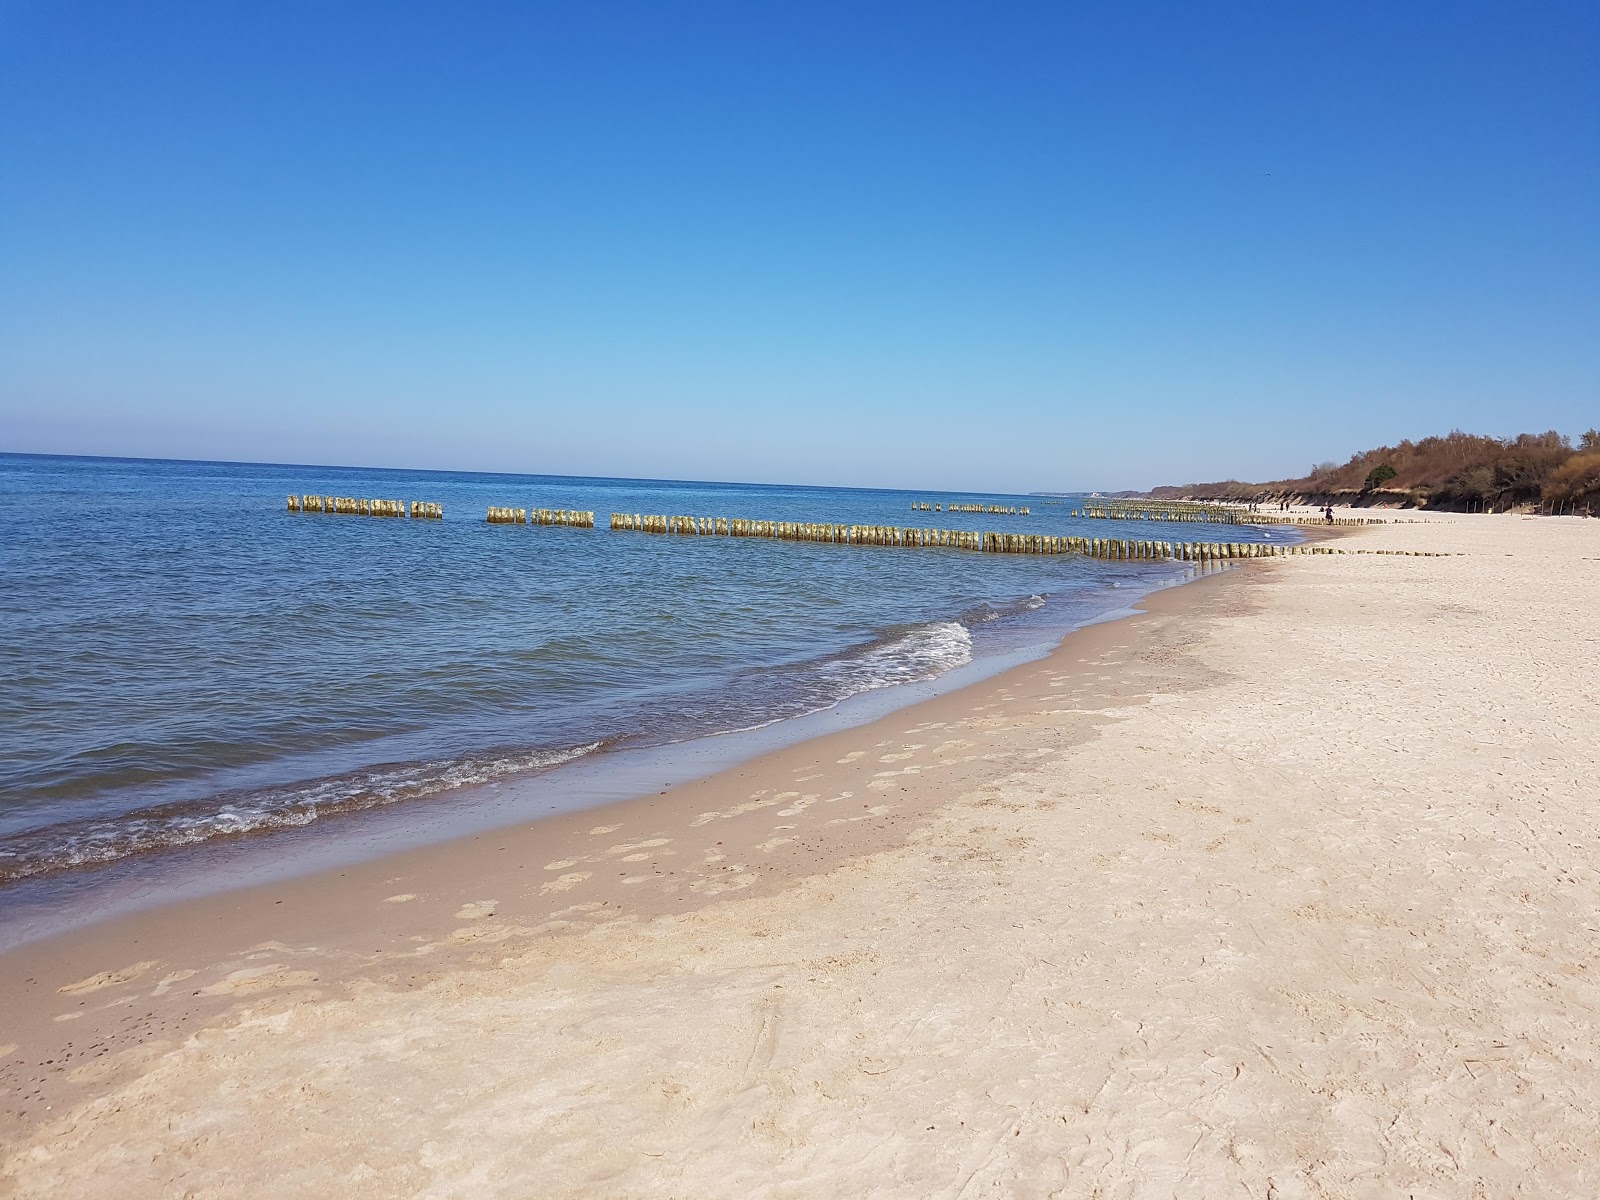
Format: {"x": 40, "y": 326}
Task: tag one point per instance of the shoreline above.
{"x": 349, "y": 913}
{"x": 63, "y": 900}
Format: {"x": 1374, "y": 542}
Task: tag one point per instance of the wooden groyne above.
{"x": 1130, "y": 549}
{"x": 1257, "y": 518}
{"x": 961, "y": 539}
{"x": 1158, "y": 510}
{"x": 1214, "y": 514}
{"x": 997, "y": 510}
{"x": 355, "y": 507}
{"x": 571, "y": 518}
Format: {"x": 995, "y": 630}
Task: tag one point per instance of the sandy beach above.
{"x": 1287, "y": 887}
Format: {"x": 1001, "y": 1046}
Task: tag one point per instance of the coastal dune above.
{"x": 1286, "y": 888}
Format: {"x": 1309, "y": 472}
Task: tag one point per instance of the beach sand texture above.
{"x": 1292, "y": 893}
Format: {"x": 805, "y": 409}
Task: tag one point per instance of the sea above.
{"x": 185, "y": 664}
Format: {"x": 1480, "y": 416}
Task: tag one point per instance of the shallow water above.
{"x": 183, "y": 660}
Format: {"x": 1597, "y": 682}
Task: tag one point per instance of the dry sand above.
{"x": 1288, "y": 888}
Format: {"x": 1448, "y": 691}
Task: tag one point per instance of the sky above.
{"x": 995, "y": 246}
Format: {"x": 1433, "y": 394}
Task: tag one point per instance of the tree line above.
{"x": 1458, "y": 471}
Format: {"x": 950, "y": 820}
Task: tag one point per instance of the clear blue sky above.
{"x": 997, "y": 245}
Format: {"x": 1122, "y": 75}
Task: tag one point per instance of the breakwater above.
{"x": 1113, "y": 549}
{"x": 997, "y": 510}
{"x": 1119, "y": 549}
{"x": 1158, "y": 510}
{"x": 356, "y": 507}
{"x": 1206, "y": 514}
{"x": 568, "y": 517}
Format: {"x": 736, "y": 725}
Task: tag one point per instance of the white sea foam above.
{"x": 88, "y": 843}
{"x": 924, "y": 652}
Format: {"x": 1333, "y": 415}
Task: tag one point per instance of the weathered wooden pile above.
{"x": 995, "y": 510}
{"x": 427, "y": 509}
{"x": 569, "y": 517}
{"x": 541, "y": 516}
{"x": 352, "y": 506}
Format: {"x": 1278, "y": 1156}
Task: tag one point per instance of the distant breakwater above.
{"x": 995, "y": 510}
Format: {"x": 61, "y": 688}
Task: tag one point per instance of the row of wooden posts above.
{"x": 1215, "y": 514}
{"x": 853, "y": 535}
{"x": 1293, "y": 519}
{"x": 1159, "y": 510}
{"x": 998, "y": 510}
{"x": 355, "y": 507}
{"x": 955, "y": 539}
{"x": 569, "y": 517}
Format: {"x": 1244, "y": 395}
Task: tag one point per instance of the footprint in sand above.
{"x": 492, "y": 931}
{"x": 589, "y": 909}
{"x": 724, "y": 883}
{"x": 402, "y": 898}
{"x": 259, "y": 979}
{"x": 634, "y": 847}
{"x": 851, "y": 757}
{"x": 599, "y": 829}
{"x": 758, "y": 801}
{"x": 561, "y": 864}
{"x": 565, "y": 883}
{"x": 877, "y": 810}
{"x": 168, "y": 980}
{"x": 107, "y": 979}
{"x": 477, "y": 909}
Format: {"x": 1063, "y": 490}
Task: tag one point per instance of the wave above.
{"x": 903, "y": 656}
{"x": 982, "y": 614}
{"x": 98, "y": 841}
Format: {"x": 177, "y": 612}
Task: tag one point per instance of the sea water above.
{"x": 183, "y": 661}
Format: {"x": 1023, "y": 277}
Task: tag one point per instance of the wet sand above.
{"x": 1285, "y": 887}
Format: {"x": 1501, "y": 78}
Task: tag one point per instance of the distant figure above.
{"x": 1327, "y": 513}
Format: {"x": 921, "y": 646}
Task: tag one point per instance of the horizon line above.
{"x": 825, "y": 487}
